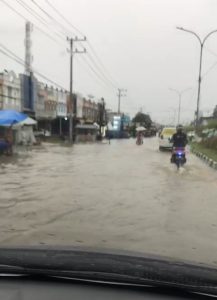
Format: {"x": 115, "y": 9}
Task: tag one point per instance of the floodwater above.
{"x": 118, "y": 196}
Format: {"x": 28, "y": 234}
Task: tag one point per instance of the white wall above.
{"x": 11, "y": 91}
{"x": 61, "y": 104}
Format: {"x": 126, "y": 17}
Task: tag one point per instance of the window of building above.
{"x": 10, "y": 92}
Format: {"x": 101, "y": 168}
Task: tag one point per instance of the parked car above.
{"x": 165, "y": 138}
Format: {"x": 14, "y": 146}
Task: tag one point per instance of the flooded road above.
{"x": 119, "y": 196}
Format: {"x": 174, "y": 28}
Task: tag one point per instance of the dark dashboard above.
{"x": 21, "y": 288}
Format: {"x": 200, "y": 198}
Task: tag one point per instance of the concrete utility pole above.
{"x": 72, "y": 52}
{"x": 101, "y": 106}
{"x": 28, "y": 46}
{"x": 179, "y": 93}
{"x": 120, "y": 94}
{"x": 202, "y": 42}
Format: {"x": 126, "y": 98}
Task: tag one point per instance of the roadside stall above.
{"x": 24, "y": 132}
{"x": 15, "y": 128}
{"x": 86, "y": 133}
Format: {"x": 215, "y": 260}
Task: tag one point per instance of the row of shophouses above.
{"x": 48, "y": 105}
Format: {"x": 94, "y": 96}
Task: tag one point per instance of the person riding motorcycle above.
{"x": 179, "y": 140}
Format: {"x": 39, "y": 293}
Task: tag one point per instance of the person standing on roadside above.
{"x": 9, "y": 140}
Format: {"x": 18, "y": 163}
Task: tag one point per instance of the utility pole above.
{"x": 120, "y": 94}
{"x": 72, "y": 52}
{"x": 101, "y": 106}
{"x": 28, "y": 46}
{"x": 179, "y": 93}
{"x": 202, "y": 42}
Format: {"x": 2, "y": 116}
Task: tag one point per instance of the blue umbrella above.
{"x": 10, "y": 117}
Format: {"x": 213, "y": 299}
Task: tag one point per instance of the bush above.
{"x": 210, "y": 143}
{"x": 189, "y": 128}
{"x": 212, "y": 124}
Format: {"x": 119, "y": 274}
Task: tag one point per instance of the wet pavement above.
{"x": 119, "y": 196}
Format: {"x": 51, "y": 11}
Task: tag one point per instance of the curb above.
{"x": 210, "y": 162}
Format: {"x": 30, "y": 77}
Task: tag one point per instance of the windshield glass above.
{"x": 88, "y": 90}
{"x": 168, "y": 131}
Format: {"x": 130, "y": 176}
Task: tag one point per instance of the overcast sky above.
{"x": 138, "y": 44}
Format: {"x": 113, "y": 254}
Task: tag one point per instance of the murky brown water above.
{"x": 119, "y": 196}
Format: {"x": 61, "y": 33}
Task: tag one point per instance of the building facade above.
{"x": 40, "y": 102}
{"x": 10, "y": 91}
{"x": 89, "y": 111}
{"x": 61, "y": 109}
{"x": 49, "y": 106}
{"x": 29, "y": 85}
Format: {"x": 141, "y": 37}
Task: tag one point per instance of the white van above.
{"x": 165, "y": 138}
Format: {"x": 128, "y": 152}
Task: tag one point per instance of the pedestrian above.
{"x": 9, "y": 140}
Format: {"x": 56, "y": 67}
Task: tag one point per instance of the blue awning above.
{"x": 10, "y": 117}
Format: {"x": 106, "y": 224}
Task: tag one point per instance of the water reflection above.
{"x": 119, "y": 196}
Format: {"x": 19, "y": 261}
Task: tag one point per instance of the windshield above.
{"x": 88, "y": 90}
{"x": 168, "y": 131}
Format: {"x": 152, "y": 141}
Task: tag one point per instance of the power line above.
{"x": 37, "y": 16}
{"x": 99, "y": 60}
{"x": 60, "y": 25}
{"x": 20, "y": 61}
{"x": 101, "y": 76}
{"x": 91, "y": 72}
{"x": 92, "y": 69}
{"x": 80, "y": 32}
{"x": 210, "y": 69}
{"x": 38, "y": 28}
{"x": 17, "y": 59}
{"x": 62, "y": 16}
{"x": 47, "y": 14}
{"x": 106, "y": 78}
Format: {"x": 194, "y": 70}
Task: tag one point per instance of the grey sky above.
{"x": 138, "y": 43}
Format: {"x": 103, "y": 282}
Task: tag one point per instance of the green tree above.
{"x": 143, "y": 119}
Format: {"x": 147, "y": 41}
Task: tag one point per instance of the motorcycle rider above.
{"x": 179, "y": 140}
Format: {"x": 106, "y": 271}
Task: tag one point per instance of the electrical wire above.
{"x": 60, "y": 25}
{"x": 37, "y": 16}
{"x": 23, "y": 17}
{"x": 19, "y": 60}
{"x": 62, "y": 16}
{"x": 81, "y": 33}
{"x": 95, "y": 73}
{"x": 48, "y": 15}
{"x": 91, "y": 73}
{"x": 101, "y": 76}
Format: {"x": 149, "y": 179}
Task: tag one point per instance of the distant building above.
{"x": 80, "y": 102}
{"x": 40, "y": 103}
{"x": 118, "y": 124}
{"x": 205, "y": 120}
{"x": 89, "y": 111}
{"x": 10, "y": 91}
{"x": 46, "y": 106}
{"x": 86, "y": 110}
{"x": 61, "y": 103}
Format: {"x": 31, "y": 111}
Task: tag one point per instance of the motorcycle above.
{"x": 178, "y": 157}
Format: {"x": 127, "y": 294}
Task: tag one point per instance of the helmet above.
{"x": 179, "y": 128}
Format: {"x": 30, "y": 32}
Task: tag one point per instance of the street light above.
{"x": 173, "y": 118}
{"x": 180, "y": 99}
{"x": 200, "y": 65}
